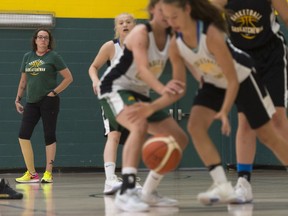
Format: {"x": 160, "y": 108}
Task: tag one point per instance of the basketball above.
{"x": 161, "y": 153}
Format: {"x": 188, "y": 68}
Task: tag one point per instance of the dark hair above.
{"x": 202, "y": 10}
{"x": 151, "y": 5}
{"x": 51, "y": 39}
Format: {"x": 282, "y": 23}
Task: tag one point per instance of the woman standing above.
{"x": 110, "y": 51}
{"x": 228, "y": 76}
{"x": 39, "y": 69}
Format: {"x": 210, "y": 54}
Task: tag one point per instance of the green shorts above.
{"x": 113, "y": 105}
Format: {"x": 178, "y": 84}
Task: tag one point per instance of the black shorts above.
{"x": 271, "y": 66}
{"x": 253, "y": 100}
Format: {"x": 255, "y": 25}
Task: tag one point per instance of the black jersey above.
{"x": 252, "y": 23}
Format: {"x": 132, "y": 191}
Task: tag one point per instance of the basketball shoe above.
{"x": 218, "y": 193}
{"x": 138, "y": 185}
{"x": 138, "y": 179}
{"x": 112, "y": 185}
{"x": 6, "y": 192}
{"x": 47, "y": 177}
{"x": 28, "y": 178}
{"x": 156, "y": 200}
{"x": 130, "y": 201}
{"x": 243, "y": 191}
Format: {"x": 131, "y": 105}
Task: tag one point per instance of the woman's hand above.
{"x": 51, "y": 94}
{"x": 225, "y": 128}
{"x": 139, "y": 110}
{"x": 19, "y": 107}
{"x": 174, "y": 87}
{"x": 95, "y": 86}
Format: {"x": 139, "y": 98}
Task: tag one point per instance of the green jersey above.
{"x": 41, "y": 73}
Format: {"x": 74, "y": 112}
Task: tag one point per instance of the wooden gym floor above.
{"x": 81, "y": 194}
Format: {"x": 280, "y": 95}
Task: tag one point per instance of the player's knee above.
{"x": 270, "y": 140}
{"x": 182, "y": 140}
{"x": 139, "y": 127}
{"x": 193, "y": 128}
{"x": 279, "y": 121}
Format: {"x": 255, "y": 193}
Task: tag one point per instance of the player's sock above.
{"x": 244, "y": 170}
{"x": 151, "y": 183}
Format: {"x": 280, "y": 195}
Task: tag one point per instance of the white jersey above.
{"x": 122, "y": 74}
{"x": 204, "y": 62}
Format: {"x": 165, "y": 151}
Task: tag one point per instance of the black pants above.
{"x": 47, "y": 109}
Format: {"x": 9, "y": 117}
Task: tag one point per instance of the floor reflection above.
{"x": 112, "y": 210}
{"x": 241, "y": 210}
{"x": 31, "y": 192}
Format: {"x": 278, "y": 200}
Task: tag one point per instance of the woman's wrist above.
{"x": 18, "y": 99}
{"x": 54, "y": 93}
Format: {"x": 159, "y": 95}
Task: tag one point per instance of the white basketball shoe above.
{"x": 243, "y": 191}
{"x": 218, "y": 193}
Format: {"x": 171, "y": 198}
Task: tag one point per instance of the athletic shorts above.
{"x": 109, "y": 128}
{"x": 253, "y": 100}
{"x": 271, "y": 66}
{"x": 115, "y": 103}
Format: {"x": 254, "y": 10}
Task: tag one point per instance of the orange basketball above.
{"x": 161, "y": 153}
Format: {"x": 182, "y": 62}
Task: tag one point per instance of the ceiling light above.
{"x": 20, "y": 20}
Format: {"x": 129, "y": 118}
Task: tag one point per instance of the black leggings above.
{"x": 47, "y": 109}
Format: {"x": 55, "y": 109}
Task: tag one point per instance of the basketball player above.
{"x": 259, "y": 36}
{"x": 108, "y": 53}
{"x": 128, "y": 82}
{"x": 228, "y": 75}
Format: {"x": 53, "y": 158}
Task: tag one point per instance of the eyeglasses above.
{"x": 40, "y": 37}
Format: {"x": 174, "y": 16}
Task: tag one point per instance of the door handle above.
{"x": 180, "y": 114}
{"x": 171, "y": 112}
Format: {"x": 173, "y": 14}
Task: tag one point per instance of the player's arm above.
{"x": 137, "y": 42}
{"x": 105, "y": 53}
{"x": 178, "y": 82}
{"x": 66, "y": 81}
{"x": 178, "y": 63}
{"x": 194, "y": 72}
{"x": 281, "y": 6}
{"x": 216, "y": 44}
{"x": 21, "y": 89}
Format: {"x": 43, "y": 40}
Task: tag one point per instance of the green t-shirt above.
{"x": 41, "y": 72}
